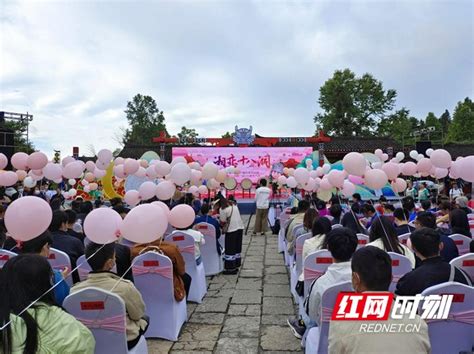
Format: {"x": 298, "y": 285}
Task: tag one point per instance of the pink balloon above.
{"x": 143, "y": 163}
{"x": 119, "y": 171}
{"x": 325, "y": 184}
{"x": 147, "y": 190}
{"x": 132, "y": 197}
{"x": 182, "y": 216}
{"x": 180, "y": 173}
{"x": 27, "y": 218}
{"x": 144, "y": 223}
{"x": 73, "y": 170}
{"x": 98, "y": 174}
{"x": 391, "y": 170}
{"x": 378, "y": 153}
{"x": 162, "y": 168}
{"x": 441, "y": 172}
{"x": 165, "y": 190}
{"x": 301, "y": 175}
{"x": 193, "y": 190}
{"x": 196, "y": 177}
{"x": 424, "y": 165}
{"x": 375, "y": 179}
{"x": 141, "y": 172}
{"x": 131, "y": 166}
{"x": 399, "y": 185}
{"x": 281, "y": 180}
{"x": 19, "y": 161}
{"x": 21, "y": 175}
{"x": 163, "y": 207}
{"x": 348, "y": 189}
{"x": 384, "y": 157}
{"x": 102, "y": 225}
{"x": 441, "y": 158}
{"x": 8, "y": 178}
{"x": 119, "y": 161}
{"x": 355, "y": 179}
{"x": 151, "y": 172}
{"x": 3, "y": 161}
{"x": 67, "y": 160}
{"x": 93, "y": 186}
{"x": 105, "y": 156}
{"x": 466, "y": 170}
{"x": 203, "y": 190}
{"x": 221, "y": 176}
{"x": 89, "y": 177}
{"x": 310, "y": 185}
{"x": 101, "y": 166}
{"x": 90, "y": 166}
{"x": 336, "y": 178}
{"x": 37, "y": 160}
{"x": 354, "y": 163}
{"x": 210, "y": 170}
{"x": 408, "y": 168}
{"x": 52, "y": 171}
{"x": 291, "y": 182}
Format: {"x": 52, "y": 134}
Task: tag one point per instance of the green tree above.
{"x": 353, "y": 105}
{"x": 19, "y": 139}
{"x": 186, "y": 134}
{"x": 445, "y": 121}
{"x": 432, "y": 121}
{"x": 228, "y": 135}
{"x": 145, "y": 121}
{"x": 398, "y": 126}
{"x": 462, "y": 127}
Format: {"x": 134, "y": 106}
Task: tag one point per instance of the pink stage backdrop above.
{"x": 252, "y": 162}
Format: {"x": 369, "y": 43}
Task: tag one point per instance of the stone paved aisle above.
{"x": 243, "y": 313}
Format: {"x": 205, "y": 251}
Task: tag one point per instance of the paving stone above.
{"x": 213, "y": 304}
{"x": 198, "y": 337}
{"x": 251, "y": 273}
{"x": 278, "y": 306}
{"x": 279, "y": 338}
{"x": 278, "y": 290}
{"x": 158, "y": 345}
{"x": 247, "y": 297}
{"x": 241, "y": 326}
{"x": 220, "y": 293}
{"x": 276, "y": 279}
{"x": 272, "y": 261}
{"x": 275, "y": 270}
{"x": 244, "y": 310}
{"x": 253, "y": 265}
{"x": 276, "y": 320}
{"x": 253, "y": 259}
{"x": 249, "y": 284}
{"x": 207, "y": 318}
{"x": 231, "y": 345}
{"x": 189, "y": 352}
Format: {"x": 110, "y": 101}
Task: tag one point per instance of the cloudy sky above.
{"x": 214, "y": 64}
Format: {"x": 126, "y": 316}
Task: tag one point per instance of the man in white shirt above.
{"x": 342, "y": 243}
{"x": 262, "y": 198}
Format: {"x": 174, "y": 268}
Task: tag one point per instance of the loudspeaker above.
{"x": 422, "y": 146}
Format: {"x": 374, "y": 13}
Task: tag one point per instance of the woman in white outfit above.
{"x": 233, "y": 227}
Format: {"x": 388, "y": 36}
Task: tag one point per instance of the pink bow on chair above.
{"x": 115, "y": 323}
{"x": 311, "y": 274}
{"x": 187, "y": 249}
{"x": 299, "y": 249}
{"x": 166, "y": 272}
{"x": 463, "y": 317}
{"x": 326, "y": 314}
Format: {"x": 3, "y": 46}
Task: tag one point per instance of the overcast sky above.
{"x": 214, "y": 64}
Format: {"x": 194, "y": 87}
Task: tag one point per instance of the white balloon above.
{"x": 72, "y": 182}
{"x": 29, "y": 182}
{"x": 413, "y": 154}
{"x": 400, "y": 156}
{"x": 429, "y": 151}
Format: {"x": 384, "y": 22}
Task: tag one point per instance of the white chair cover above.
{"x": 315, "y": 265}
{"x": 290, "y": 258}
{"x": 400, "y": 266}
{"x": 462, "y": 242}
{"x": 185, "y": 243}
{"x": 456, "y": 334}
{"x": 362, "y": 240}
{"x": 60, "y": 260}
{"x": 5, "y": 256}
{"x": 213, "y": 263}
{"x": 297, "y": 268}
{"x": 84, "y": 268}
{"x": 471, "y": 226}
{"x": 104, "y": 314}
{"x": 317, "y": 337}
{"x": 403, "y": 239}
{"x": 153, "y": 275}
{"x": 281, "y": 236}
{"x": 466, "y": 263}
{"x": 335, "y": 226}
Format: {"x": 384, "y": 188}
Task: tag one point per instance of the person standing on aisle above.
{"x": 262, "y": 199}
{"x": 233, "y": 227}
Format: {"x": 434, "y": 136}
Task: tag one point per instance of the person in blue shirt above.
{"x": 205, "y": 216}
{"x": 370, "y": 214}
{"x": 408, "y": 203}
{"x": 40, "y": 245}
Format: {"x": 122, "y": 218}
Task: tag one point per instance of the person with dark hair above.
{"x": 297, "y": 219}
{"x": 308, "y": 221}
{"x": 369, "y": 214}
{"x": 233, "y": 227}
{"x": 357, "y": 200}
{"x": 401, "y": 217}
{"x": 423, "y": 192}
{"x": 383, "y": 235}
{"x": 320, "y": 229}
{"x": 426, "y": 244}
{"x": 459, "y": 223}
{"x": 44, "y": 327}
{"x": 101, "y": 258}
{"x": 426, "y": 205}
{"x": 40, "y": 245}
{"x": 408, "y": 203}
{"x": 342, "y": 243}
{"x": 73, "y": 225}
{"x": 351, "y": 221}
{"x": 335, "y": 211}
{"x": 262, "y": 200}
{"x": 206, "y": 216}
{"x": 372, "y": 272}
{"x": 62, "y": 241}
{"x": 123, "y": 211}
{"x": 86, "y": 208}
{"x": 116, "y": 202}
{"x": 449, "y": 250}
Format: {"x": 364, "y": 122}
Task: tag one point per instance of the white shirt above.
{"x": 262, "y": 197}
{"x": 336, "y": 273}
{"x": 233, "y": 213}
{"x": 198, "y": 240}
{"x": 454, "y": 193}
{"x": 408, "y": 252}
